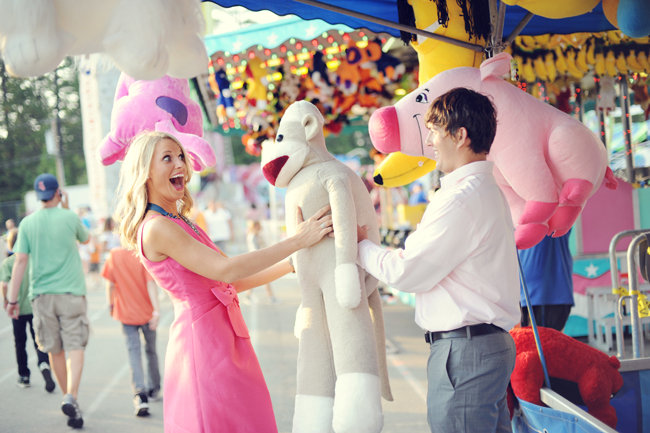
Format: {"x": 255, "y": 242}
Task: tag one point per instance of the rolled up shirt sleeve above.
{"x": 430, "y": 254}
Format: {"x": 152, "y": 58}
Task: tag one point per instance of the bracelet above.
{"x": 12, "y": 303}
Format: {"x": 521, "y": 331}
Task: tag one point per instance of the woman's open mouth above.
{"x": 178, "y": 182}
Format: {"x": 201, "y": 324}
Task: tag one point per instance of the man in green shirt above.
{"x": 47, "y": 242}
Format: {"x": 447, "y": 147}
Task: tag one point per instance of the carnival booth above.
{"x": 588, "y": 59}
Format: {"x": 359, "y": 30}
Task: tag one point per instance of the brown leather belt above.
{"x": 463, "y": 332}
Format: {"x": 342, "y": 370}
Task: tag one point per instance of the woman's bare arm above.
{"x": 163, "y": 238}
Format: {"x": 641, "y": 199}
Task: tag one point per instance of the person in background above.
{"x": 24, "y": 320}
{"x": 197, "y": 217}
{"x": 255, "y": 241}
{"x": 132, "y": 297}
{"x": 213, "y": 381}
{"x": 47, "y": 243}
{"x": 548, "y": 273}
{"x": 417, "y": 194}
{"x": 10, "y": 224}
{"x": 219, "y": 221}
{"x": 108, "y": 238}
{"x": 461, "y": 263}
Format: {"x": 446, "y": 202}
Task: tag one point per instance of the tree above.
{"x": 28, "y": 107}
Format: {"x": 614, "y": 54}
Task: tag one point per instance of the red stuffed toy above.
{"x": 595, "y": 373}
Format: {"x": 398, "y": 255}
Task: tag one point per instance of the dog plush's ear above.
{"x": 312, "y": 126}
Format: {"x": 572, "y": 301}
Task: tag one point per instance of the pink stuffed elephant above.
{"x": 159, "y": 105}
{"x": 546, "y": 162}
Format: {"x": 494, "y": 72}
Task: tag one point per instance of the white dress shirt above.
{"x": 461, "y": 262}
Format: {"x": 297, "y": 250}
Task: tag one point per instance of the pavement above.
{"x": 105, "y": 394}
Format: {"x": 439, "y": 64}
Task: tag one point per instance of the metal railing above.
{"x": 637, "y": 341}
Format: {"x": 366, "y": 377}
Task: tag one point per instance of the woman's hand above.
{"x": 362, "y": 233}
{"x": 311, "y": 231}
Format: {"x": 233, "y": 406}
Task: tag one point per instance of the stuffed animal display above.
{"x": 546, "y": 162}
{"x": 342, "y": 371}
{"x": 595, "y": 373}
{"x": 220, "y": 86}
{"x": 146, "y": 38}
{"x": 159, "y": 105}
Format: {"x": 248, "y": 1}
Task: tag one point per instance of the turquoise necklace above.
{"x": 160, "y": 210}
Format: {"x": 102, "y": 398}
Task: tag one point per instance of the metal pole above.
{"x": 497, "y": 17}
{"x": 627, "y": 128}
{"x": 56, "y": 130}
{"x": 637, "y": 343}
{"x": 529, "y": 16}
{"x": 390, "y": 24}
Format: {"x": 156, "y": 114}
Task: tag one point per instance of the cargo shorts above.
{"x": 60, "y": 322}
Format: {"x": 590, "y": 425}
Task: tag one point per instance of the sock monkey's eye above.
{"x": 279, "y": 138}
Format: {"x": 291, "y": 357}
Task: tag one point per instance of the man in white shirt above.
{"x": 461, "y": 263}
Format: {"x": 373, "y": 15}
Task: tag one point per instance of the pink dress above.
{"x": 213, "y": 381}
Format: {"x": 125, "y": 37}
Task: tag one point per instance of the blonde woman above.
{"x": 213, "y": 382}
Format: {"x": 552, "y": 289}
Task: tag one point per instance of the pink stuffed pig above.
{"x": 159, "y": 105}
{"x": 546, "y": 162}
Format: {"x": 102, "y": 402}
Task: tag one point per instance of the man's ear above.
{"x": 461, "y": 137}
{"x": 312, "y": 126}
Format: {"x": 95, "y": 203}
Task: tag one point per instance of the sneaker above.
{"x": 70, "y": 407}
{"x": 23, "y": 381}
{"x": 141, "y": 404}
{"x": 47, "y": 375}
{"x": 154, "y": 394}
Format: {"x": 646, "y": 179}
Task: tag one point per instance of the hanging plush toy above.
{"x": 348, "y": 77}
{"x": 159, "y": 105}
{"x": 221, "y": 88}
{"x": 606, "y": 99}
{"x": 546, "y": 162}
{"x": 641, "y": 96}
{"x": 320, "y": 76}
{"x": 342, "y": 353}
{"x": 554, "y": 8}
{"x": 389, "y": 68}
{"x": 256, "y": 82}
{"x": 146, "y": 38}
{"x": 631, "y": 16}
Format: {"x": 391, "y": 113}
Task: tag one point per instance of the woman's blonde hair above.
{"x": 132, "y": 189}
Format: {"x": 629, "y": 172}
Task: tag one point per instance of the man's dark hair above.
{"x": 461, "y": 107}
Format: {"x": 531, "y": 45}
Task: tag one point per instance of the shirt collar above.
{"x": 473, "y": 168}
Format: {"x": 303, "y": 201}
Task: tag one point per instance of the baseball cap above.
{"x": 45, "y": 186}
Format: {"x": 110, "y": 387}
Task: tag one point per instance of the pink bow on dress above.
{"x": 228, "y": 297}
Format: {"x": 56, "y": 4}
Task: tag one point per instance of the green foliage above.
{"x": 27, "y": 110}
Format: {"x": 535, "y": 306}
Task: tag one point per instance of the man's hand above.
{"x": 13, "y": 310}
{"x": 362, "y": 233}
{"x": 64, "y": 199}
{"x": 153, "y": 322}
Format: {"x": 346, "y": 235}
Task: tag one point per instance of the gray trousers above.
{"x": 468, "y": 379}
{"x": 132, "y": 333}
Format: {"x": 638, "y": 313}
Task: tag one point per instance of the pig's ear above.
{"x": 497, "y": 66}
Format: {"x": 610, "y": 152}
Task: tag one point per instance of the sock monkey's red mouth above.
{"x": 272, "y": 169}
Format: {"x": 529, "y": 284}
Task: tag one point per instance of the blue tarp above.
{"x": 593, "y": 21}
